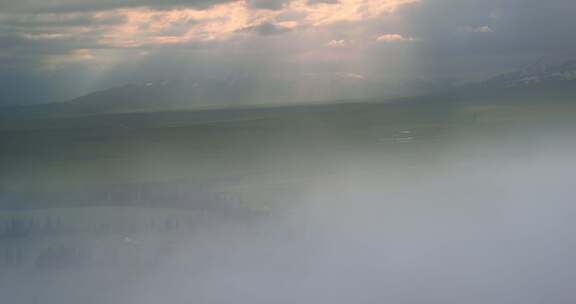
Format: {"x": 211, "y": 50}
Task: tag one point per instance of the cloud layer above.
{"x": 105, "y": 43}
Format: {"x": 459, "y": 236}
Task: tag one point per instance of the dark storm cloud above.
{"x": 268, "y": 4}
{"x": 514, "y": 25}
{"x": 43, "y": 21}
{"x": 59, "y": 6}
{"x": 27, "y": 39}
{"x": 20, "y": 46}
{"x": 475, "y": 39}
{"x": 444, "y": 39}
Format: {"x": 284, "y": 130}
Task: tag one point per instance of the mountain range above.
{"x": 535, "y": 74}
{"x": 533, "y": 82}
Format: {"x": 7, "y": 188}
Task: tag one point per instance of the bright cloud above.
{"x": 393, "y": 38}
{"x": 337, "y": 43}
{"x": 148, "y": 27}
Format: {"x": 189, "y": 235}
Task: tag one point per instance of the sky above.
{"x": 52, "y": 50}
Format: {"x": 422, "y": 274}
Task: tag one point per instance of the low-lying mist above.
{"x": 481, "y": 215}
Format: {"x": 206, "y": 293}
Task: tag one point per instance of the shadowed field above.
{"x": 341, "y": 197}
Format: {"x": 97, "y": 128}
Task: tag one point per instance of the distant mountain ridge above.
{"x": 535, "y": 74}
{"x": 538, "y": 81}
{"x": 538, "y": 77}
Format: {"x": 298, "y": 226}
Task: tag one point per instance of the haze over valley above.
{"x": 231, "y": 151}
